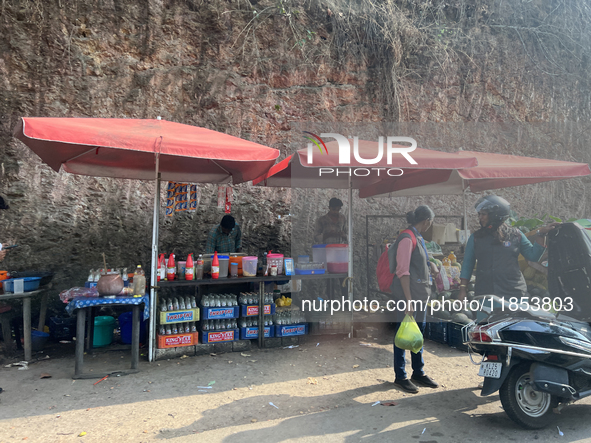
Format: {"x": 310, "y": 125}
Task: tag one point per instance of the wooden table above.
{"x": 26, "y": 297}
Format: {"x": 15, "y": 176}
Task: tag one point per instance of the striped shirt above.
{"x": 220, "y": 242}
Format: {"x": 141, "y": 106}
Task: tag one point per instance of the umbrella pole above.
{"x": 465, "y": 215}
{"x": 350, "y": 240}
{"x": 154, "y": 272}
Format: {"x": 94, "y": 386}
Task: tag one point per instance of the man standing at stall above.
{"x": 224, "y": 238}
{"x": 332, "y": 227}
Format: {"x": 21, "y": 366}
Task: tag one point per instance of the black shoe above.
{"x": 406, "y": 385}
{"x": 425, "y": 380}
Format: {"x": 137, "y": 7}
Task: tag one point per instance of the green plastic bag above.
{"x": 409, "y": 335}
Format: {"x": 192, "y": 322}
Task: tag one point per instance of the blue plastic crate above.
{"x": 252, "y": 310}
{"x": 291, "y": 330}
{"x": 455, "y": 339}
{"x": 253, "y": 332}
{"x": 437, "y": 330}
{"x": 217, "y": 313}
{"x": 222, "y": 336}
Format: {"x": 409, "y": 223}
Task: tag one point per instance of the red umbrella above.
{"x": 144, "y": 149}
{"x": 327, "y": 172}
{"x": 127, "y": 148}
{"x": 494, "y": 171}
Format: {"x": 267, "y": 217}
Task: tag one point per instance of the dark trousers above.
{"x": 417, "y": 361}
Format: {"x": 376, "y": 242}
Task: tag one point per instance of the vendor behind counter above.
{"x": 224, "y": 238}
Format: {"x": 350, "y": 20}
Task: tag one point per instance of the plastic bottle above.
{"x": 160, "y": 270}
{"x": 445, "y": 262}
{"x": 199, "y": 268}
{"x": 452, "y": 257}
{"x": 265, "y": 267}
{"x": 139, "y": 282}
{"x": 215, "y": 266}
{"x": 189, "y": 268}
{"x": 170, "y": 268}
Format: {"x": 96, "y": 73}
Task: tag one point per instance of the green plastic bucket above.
{"x": 103, "y": 331}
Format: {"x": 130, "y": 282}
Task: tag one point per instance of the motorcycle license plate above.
{"x": 490, "y": 369}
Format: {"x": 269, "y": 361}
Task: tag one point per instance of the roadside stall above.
{"x": 494, "y": 171}
{"x": 326, "y": 171}
{"x": 144, "y": 150}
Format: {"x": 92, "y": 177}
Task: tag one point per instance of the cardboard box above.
{"x": 438, "y": 234}
{"x": 177, "y": 340}
{"x": 179, "y": 316}
{"x": 450, "y": 233}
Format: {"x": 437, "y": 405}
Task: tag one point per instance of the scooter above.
{"x": 536, "y": 351}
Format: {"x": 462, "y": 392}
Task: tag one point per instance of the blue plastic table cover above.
{"x": 86, "y": 302}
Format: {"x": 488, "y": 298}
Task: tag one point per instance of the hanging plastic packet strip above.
{"x": 170, "y": 197}
{"x": 193, "y": 198}
{"x": 181, "y": 200}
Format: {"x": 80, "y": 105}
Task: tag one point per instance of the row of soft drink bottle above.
{"x": 248, "y": 322}
{"x": 177, "y": 328}
{"x": 288, "y": 317}
{"x": 252, "y": 298}
{"x": 221, "y": 324}
{"x": 219, "y": 300}
{"x": 177, "y": 303}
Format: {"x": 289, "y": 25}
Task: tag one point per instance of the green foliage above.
{"x": 529, "y": 224}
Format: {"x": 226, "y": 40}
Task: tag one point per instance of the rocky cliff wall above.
{"x": 254, "y": 68}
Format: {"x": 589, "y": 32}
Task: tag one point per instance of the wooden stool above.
{"x": 5, "y": 317}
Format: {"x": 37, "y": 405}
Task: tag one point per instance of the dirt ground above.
{"x": 323, "y": 390}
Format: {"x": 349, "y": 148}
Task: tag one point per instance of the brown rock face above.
{"x": 256, "y": 69}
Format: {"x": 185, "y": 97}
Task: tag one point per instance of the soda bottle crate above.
{"x": 252, "y": 310}
{"x": 250, "y": 333}
{"x": 291, "y": 330}
{"x": 454, "y": 334}
{"x": 219, "y": 313}
{"x": 180, "y": 316}
{"x": 437, "y": 330}
{"x": 225, "y": 335}
{"x": 177, "y": 340}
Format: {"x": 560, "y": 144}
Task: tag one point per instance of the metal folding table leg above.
{"x": 27, "y": 328}
{"x": 135, "y": 337}
{"x": 80, "y": 320}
